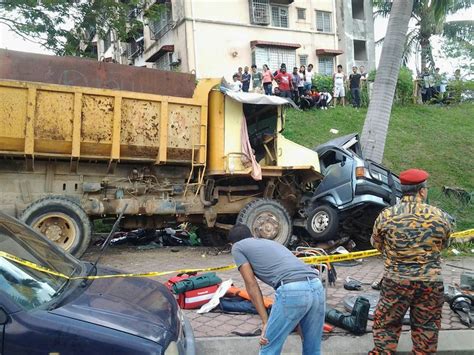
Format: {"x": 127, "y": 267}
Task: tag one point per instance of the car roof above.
{"x": 334, "y": 143}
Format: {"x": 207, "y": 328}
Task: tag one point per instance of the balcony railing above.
{"x": 156, "y": 31}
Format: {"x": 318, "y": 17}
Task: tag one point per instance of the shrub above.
{"x": 404, "y": 89}
{"x": 323, "y": 82}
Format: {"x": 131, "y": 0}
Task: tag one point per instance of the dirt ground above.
{"x": 132, "y": 259}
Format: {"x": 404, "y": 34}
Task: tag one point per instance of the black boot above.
{"x": 356, "y": 322}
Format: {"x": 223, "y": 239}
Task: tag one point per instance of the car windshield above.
{"x": 26, "y": 286}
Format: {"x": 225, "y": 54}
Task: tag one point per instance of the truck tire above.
{"x": 267, "y": 219}
{"x": 62, "y": 221}
{"x": 322, "y": 223}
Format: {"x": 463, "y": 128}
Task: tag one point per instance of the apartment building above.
{"x": 214, "y": 37}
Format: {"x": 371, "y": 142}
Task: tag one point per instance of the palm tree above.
{"x": 430, "y": 17}
{"x": 375, "y": 128}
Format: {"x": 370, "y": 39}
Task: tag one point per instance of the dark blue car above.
{"x": 45, "y": 314}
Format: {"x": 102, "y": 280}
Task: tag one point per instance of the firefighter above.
{"x": 410, "y": 236}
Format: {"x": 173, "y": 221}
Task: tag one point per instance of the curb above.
{"x": 451, "y": 342}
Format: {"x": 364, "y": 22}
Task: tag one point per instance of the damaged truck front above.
{"x": 75, "y": 153}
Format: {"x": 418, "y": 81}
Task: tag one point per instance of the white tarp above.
{"x": 257, "y": 99}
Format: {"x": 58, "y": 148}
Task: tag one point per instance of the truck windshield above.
{"x": 26, "y": 286}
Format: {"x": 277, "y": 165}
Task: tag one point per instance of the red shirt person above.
{"x": 284, "y": 82}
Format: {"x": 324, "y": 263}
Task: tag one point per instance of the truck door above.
{"x": 337, "y": 183}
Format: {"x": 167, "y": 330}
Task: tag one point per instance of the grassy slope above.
{"x": 437, "y": 139}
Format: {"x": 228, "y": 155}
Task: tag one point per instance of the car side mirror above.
{"x": 3, "y": 316}
{"x": 341, "y": 158}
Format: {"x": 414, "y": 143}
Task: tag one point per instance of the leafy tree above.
{"x": 68, "y": 27}
{"x": 430, "y": 17}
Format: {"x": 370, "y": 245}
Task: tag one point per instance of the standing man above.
{"x": 428, "y": 85}
{"x": 354, "y": 84}
{"x": 410, "y": 236}
{"x": 308, "y": 77}
{"x": 256, "y": 80}
{"x": 339, "y": 91}
{"x": 295, "y": 82}
{"x": 284, "y": 82}
{"x": 299, "y": 297}
{"x": 246, "y": 80}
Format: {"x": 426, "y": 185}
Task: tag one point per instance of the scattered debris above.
{"x": 334, "y": 131}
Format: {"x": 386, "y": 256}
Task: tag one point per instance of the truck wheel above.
{"x": 62, "y": 221}
{"x": 322, "y": 223}
{"x": 267, "y": 219}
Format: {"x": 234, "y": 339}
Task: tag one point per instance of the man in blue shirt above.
{"x": 299, "y": 297}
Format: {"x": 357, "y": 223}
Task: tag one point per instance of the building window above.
{"x": 164, "y": 62}
{"x": 303, "y": 59}
{"x": 274, "y": 57}
{"x": 358, "y": 9}
{"x": 301, "y": 13}
{"x": 323, "y": 21}
{"x": 107, "y": 40}
{"x": 259, "y": 12}
{"x": 163, "y": 24}
{"x": 279, "y": 16}
{"x": 326, "y": 65}
{"x": 360, "y": 50}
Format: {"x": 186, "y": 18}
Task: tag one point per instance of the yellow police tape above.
{"x": 308, "y": 260}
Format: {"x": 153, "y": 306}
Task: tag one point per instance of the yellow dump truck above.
{"x": 73, "y": 153}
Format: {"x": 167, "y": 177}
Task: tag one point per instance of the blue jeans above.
{"x": 296, "y": 303}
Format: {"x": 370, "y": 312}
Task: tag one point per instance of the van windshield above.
{"x": 26, "y": 286}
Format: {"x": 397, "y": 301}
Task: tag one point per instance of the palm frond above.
{"x": 457, "y": 5}
{"x": 459, "y": 30}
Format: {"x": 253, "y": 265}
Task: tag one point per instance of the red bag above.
{"x": 196, "y": 298}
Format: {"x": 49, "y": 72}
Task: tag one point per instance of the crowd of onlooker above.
{"x": 298, "y": 85}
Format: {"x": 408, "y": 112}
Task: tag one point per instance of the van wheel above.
{"x": 62, "y": 221}
{"x": 267, "y": 219}
{"x": 322, "y": 223}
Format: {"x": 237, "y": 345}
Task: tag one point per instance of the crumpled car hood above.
{"x": 137, "y": 306}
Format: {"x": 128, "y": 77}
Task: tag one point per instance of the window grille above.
{"x": 260, "y": 12}
{"x": 163, "y": 24}
{"x": 274, "y": 57}
{"x": 303, "y": 59}
{"x": 326, "y": 65}
{"x": 323, "y": 21}
{"x": 301, "y": 13}
{"x": 164, "y": 62}
{"x": 279, "y": 16}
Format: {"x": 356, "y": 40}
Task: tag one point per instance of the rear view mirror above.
{"x": 3, "y": 316}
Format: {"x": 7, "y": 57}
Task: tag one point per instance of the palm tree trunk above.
{"x": 375, "y": 128}
{"x": 425, "y": 49}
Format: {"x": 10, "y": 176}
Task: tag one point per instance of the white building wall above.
{"x": 212, "y": 37}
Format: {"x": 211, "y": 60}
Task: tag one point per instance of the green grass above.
{"x": 437, "y": 139}
{"x": 459, "y": 249}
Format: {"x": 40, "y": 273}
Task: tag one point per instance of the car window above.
{"x": 328, "y": 159}
{"x": 26, "y": 286}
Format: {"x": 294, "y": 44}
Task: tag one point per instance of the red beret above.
{"x": 413, "y": 176}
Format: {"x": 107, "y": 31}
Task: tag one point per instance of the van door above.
{"x": 336, "y": 186}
